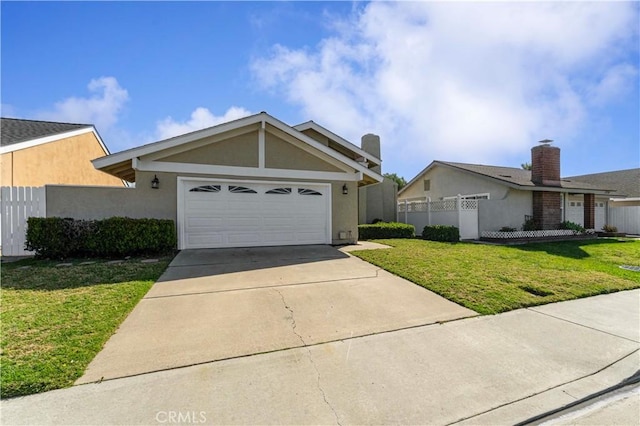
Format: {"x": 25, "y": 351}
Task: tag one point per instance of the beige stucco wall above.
{"x": 446, "y": 182}
{"x": 510, "y": 211}
{"x": 280, "y": 154}
{"x": 241, "y": 151}
{"x": 97, "y": 203}
{"x": 378, "y": 201}
{"x": 67, "y": 161}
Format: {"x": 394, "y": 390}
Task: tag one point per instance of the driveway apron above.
{"x": 214, "y": 304}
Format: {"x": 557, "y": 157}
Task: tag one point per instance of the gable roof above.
{"x": 18, "y": 133}
{"x": 516, "y": 178}
{"x": 372, "y": 160}
{"x": 625, "y": 182}
{"x": 121, "y": 164}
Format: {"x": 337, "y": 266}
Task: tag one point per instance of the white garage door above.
{"x": 575, "y": 213}
{"x": 245, "y": 214}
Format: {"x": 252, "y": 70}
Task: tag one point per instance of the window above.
{"x": 206, "y": 188}
{"x": 305, "y": 191}
{"x": 241, "y": 190}
{"x": 572, "y": 204}
{"x": 483, "y": 196}
{"x": 427, "y": 184}
{"x": 279, "y": 191}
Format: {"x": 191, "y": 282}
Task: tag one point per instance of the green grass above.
{"x": 56, "y": 319}
{"x": 491, "y": 279}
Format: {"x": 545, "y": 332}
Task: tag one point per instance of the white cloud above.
{"x": 101, "y": 108}
{"x": 476, "y": 82}
{"x": 201, "y": 118}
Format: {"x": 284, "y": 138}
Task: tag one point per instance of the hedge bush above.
{"x": 441, "y": 233}
{"x": 381, "y": 230}
{"x": 59, "y": 238}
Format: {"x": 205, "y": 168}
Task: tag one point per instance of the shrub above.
{"x": 386, "y": 230}
{"x": 609, "y": 228}
{"x": 577, "y": 229}
{"x": 507, "y": 229}
{"x": 58, "y": 238}
{"x": 529, "y": 225}
{"x": 441, "y": 233}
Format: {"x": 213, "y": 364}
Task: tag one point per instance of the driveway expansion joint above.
{"x": 532, "y": 309}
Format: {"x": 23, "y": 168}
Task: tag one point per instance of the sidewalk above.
{"x": 499, "y": 369}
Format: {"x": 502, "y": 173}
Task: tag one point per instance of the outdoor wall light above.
{"x": 345, "y": 189}
{"x": 155, "y": 183}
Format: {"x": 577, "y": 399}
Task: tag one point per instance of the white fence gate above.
{"x": 18, "y": 204}
{"x": 459, "y": 212}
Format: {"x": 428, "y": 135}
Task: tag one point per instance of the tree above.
{"x": 397, "y": 179}
{"x": 526, "y": 166}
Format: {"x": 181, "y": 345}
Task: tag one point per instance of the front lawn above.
{"x": 56, "y": 319}
{"x": 490, "y": 279}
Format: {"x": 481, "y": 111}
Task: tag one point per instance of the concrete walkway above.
{"x": 217, "y": 304}
{"x": 499, "y": 369}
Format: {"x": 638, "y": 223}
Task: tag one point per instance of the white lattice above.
{"x": 469, "y": 204}
{"x": 443, "y": 205}
{"x": 528, "y": 234}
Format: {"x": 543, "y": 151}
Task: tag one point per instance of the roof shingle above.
{"x": 15, "y": 130}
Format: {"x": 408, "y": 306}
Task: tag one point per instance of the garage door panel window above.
{"x": 241, "y": 190}
{"x": 279, "y": 191}
{"x": 206, "y": 188}
{"x": 306, "y": 191}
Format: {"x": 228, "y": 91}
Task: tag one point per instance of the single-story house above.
{"x": 35, "y": 153}
{"x": 508, "y": 196}
{"x": 255, "y": 181}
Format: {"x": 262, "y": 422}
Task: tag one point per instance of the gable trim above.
{"x": 262, "y": 118}
{"x": 338, "y": 139}
{"x": 166, "y": 167}
{"x": 53, "y": 138}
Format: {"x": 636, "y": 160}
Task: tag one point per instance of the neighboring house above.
{"x": 255, "y": 181}
{"x": 507, "y": 196}
{"x": 36, "y": 153}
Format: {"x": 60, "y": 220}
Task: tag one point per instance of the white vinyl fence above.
{"x": 459, "y": 212}
{"x": 625, "y": 218}
{"x": 18, "y": 204}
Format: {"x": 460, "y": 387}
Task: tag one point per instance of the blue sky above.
{"x": 467, "y": 82}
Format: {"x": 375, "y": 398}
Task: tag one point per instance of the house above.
{"x": 35, "y": 153}
{"x": 508, "y": 197}
{"x": 255, "y": 181}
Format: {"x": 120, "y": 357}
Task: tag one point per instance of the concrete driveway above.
{"x": 216, "y": 304}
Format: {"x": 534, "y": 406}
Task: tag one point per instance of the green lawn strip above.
{"x": 491, "y": 279}
{"x": 56, "y": 319}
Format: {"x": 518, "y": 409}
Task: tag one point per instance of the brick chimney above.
{"x": 545, "y": 164}
{"x": 545, "y": 171}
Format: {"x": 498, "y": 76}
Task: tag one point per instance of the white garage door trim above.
{"x": 225, "y": 240}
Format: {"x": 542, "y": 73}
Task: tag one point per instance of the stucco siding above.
{"x": 241, "y": 151}
{"x": 67, "y": 161}
{"x": 280, "y": 154}
{"x": 84, "y": 202}
{"x": 378, "y": 202}
{"x": 510, "y": 211}
{"x": 446, "y": 182}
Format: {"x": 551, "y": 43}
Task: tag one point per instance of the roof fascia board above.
{"x": 161, "y": 166}
{"x": 415, "y": 179}
{"x": 338, "y": 139}
{"x": 52, "y": 138}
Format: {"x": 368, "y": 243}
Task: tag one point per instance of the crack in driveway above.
{"x": 315, "y": 367}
